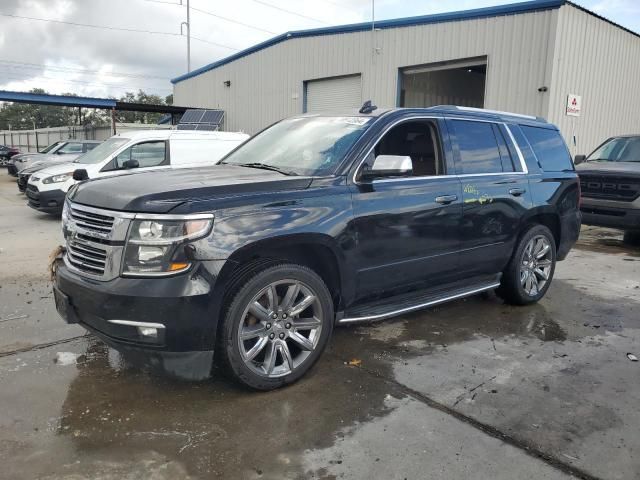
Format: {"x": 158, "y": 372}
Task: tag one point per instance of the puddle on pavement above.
{"x": 213, "y": 428}
{"x": 606, "y": 240}
{"x": 566, "y": 314}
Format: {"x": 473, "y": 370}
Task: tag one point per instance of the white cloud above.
{"x": 57, "y": 53}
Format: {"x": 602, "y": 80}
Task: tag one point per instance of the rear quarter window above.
{"x": 549, "y": 147}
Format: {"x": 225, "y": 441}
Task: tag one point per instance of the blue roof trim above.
{"x": 510, "y": 9}
{"x": 64, "y": 100}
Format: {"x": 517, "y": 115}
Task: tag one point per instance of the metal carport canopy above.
{"x": 87, "y": 102}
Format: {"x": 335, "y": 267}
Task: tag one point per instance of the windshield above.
{"x": 302, "y": 145}
{"x": 625, "y": 149}
{"x": 50, "y": 147}
{"x": 102, "y": 151}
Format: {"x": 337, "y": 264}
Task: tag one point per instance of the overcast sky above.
{"x": 63, "y": 56}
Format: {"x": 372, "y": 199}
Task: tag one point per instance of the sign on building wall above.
{"x": 574, "y": 104}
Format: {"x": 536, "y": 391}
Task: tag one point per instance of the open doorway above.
{"x": 459, "y": 82}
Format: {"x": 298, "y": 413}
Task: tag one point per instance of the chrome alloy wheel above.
{"x": 535, "y": 265}
{"x": 280, "y": 328}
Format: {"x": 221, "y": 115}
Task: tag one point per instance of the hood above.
{"x": 49, "y": 168}
{"x": 41, "y": 165}
{"x": 24, "y": 156}
{"x": 161, "y": 191}
{"x": 614, "y": 168}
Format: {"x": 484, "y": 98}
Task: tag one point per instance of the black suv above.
{"x": 316, "y": 221}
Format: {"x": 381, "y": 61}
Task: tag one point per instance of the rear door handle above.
{"x": 516, "y": 192}
{"x": 446, "y": 199}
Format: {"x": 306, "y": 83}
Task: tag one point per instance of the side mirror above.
{"x": 130, "y": 164}
{"x": 578, "y": 159}
{"x": 80, "y": 175}
{"x": 389, "y": 166}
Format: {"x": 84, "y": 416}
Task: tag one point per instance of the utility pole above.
{"x": 188, "y": 25}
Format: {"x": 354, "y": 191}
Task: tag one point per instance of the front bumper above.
{"x": 12, "y": 170}
{"x": 23, "y": 179}
{"x": 604, "y": 215}
{"x": 112, "y": 310}
{"x": 49, "y": 201}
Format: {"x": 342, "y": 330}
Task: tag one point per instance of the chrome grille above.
{"x": 87, "y": 258}
{"x": 91, "y": 221}
{"x": 95, "y": 240}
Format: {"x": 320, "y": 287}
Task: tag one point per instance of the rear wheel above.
{"x": 529, "y": 273}
{"x": 276, "y": 326}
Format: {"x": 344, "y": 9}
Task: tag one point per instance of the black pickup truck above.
{"x": 318, "y": 220}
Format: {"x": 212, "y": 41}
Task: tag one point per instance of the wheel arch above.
{"x": 318, "y": 252}
{"x": 549, "y": 219}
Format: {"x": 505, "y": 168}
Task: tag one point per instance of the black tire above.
{"x": 251, "y": 284}
{"x": 632, "y": 237}
{"x": 511, "y": 288}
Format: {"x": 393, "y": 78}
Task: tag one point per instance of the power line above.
{"x": 16, "y": 64}
{"x": 226, "y": 19}
{"x": 121, "y": 29}
{"x": 233, "y": 21}
{"x": 289, "y": 11}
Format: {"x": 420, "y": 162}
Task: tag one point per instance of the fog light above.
{"x": 148, "y": 332}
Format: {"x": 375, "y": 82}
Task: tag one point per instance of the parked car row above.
{"x": 62, "y": 151}
{"x": 47, "y": 176}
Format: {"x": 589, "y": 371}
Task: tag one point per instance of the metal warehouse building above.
{"x": 548, "y": 58}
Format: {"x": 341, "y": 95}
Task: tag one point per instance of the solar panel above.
{"x": 212, "y": 117}
{"x": 192, "y": 116}
{"x": 199, "y": 119}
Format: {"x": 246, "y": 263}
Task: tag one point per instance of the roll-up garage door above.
{"x": 335, "y": 94}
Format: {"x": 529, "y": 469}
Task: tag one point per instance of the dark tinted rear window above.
{"x": 550, "y": 149}
{"x": 478, "y": 147}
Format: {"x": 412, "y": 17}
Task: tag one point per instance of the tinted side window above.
{"x": 549, "y": 148}
{"x": 148, "y": 154}
{"x": 418, "y": 140}
{"x": 90, "y": 146}
{"x": 477, "y": 146}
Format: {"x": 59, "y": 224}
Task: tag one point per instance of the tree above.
{"x": 23, "y": 116}
{"x": 140, "y": 117}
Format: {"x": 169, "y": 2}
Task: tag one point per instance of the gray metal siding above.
{"x": 268, "y": 85}
{"x": 601, "y": 63}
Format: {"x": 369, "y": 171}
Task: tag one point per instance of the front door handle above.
{"x": 446, "y": 199}
{"x": 516, "y": 192}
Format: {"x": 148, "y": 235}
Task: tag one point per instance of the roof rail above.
{"x": 488, "y": 112}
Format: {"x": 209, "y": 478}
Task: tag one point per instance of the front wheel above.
{"x": 529, "y": 273}
{"x": 276, "y": 326}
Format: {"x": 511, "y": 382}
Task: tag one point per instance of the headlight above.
{"x": 157, "y": 247}
{"x": 65, "y": 213}
{"x": 63, "y": 177}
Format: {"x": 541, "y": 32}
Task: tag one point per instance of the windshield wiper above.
{"x": 264, "y": 166}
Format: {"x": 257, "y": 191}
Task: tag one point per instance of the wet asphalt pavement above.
{"x": 471, "y": 389}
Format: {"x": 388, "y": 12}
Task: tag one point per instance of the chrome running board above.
{"x": 418, "y": 306}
